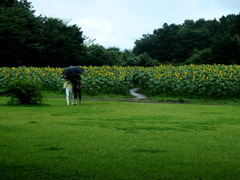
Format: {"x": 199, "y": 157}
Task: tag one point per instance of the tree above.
{"x": 158, "y": 45}
{"x": 164, "y": 43}
{"x": 15, "y": 19}
{"x": 7, "y": 3}
{"x": 226, "y": 50}
{"x": 210, "y": 39}
{"x": 200, "y": 57}
{"x": 143, "y": 45}
{"x": 146, "y": 61}
{"x": 114, "y": 57}
{"x": 26, "y": 40}
{"x": 129, "y": 58}
{"x": 96, "y": 55}
{"x": 62, "y": 44}
{"x": 236, "y": 25}
{"x": 187, "y": 40}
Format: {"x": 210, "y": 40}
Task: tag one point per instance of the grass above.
{"x": 119, "y": 140}
{"x": 155, "y": 99}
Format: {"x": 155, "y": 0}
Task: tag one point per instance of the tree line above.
{"x": 39, "y": 41}
{"x": 197, "y": 42}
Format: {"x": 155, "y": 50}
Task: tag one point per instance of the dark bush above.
{"x": 24, "y": 92}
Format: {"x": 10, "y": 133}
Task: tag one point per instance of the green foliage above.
{"x": 96, "y": 55}
{"x": 177, "y": 43}
{"x": 7, "y": 3}
{"x": 129, "y": 58}
{"x": 15, "y": 32}
{"x": 199, "y": 57}
{"x": 27, "y": 40}
{"x": 146, "y": 61}
{"x": 66, "y": 47}
{"x": 226, "y": 49}
{"x": 207, "y": 81}
{"x": 202, "y": 81}
{"x": 24, "y": 92}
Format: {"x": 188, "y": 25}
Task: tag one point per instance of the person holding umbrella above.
{"x": 75, "y": 72}
{"x": 77, "y": 89}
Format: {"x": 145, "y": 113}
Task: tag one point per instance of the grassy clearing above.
{"x": 155, "y": 99}
{"x": 119, "y": 140}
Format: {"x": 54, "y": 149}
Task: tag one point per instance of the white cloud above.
{"x": 97, "y": 27}
{"x": 96, "y": 24}
{"x": 120, "y": 23}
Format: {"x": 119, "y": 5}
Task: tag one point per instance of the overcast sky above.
{"x": 119, "y": 23}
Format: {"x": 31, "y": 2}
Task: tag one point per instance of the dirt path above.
{"x": 134, "y": 93}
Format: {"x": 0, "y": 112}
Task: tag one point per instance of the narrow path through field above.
{"x": 133, "y": 92}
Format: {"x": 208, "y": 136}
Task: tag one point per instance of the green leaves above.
{"x": 194, "y": 42}
{"x": 214, "y": 81}
{"x": 24, "y": 92}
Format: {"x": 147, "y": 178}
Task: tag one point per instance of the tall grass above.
{"x": 119, "y": 140}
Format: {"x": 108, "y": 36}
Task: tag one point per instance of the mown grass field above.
{"x": 119, "y": 140}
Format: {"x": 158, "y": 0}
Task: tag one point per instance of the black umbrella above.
{"x": 73, "y": 70}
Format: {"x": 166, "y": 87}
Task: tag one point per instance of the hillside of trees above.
{"x": 29, "y": 40}
{"x": 200, "y": 42}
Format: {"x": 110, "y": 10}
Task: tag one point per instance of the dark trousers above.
{"x": 77, "y": 93}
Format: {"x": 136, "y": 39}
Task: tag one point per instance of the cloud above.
{"x": 97, "y": 27}
{"x": 120, "y": 23}
{"x": 101, "y": 29}
{"x": 96, "y": 24}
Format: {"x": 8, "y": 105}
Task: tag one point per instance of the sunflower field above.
{"x": 214, "y": 81}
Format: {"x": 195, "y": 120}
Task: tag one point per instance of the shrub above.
{"x": 24, "y": 92}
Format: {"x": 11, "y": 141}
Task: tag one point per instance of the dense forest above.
{"x": 30, "y": 40}
{"x": 200, "y": 42}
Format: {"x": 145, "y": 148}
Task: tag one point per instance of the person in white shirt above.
{"x": 69, "y": 90}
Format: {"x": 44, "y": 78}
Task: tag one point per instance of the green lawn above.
{"x": 119, "y": 140}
